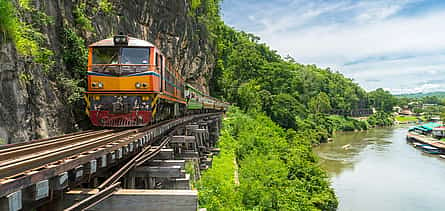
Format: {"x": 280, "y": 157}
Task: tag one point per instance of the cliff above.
{"x": 42, "y": 72}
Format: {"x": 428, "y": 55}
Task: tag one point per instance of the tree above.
{"x": 249, "y": 100}
{"x": 285, "y": 109}
{"x": 320, "y": 103}
{"x": 382, "y": 100}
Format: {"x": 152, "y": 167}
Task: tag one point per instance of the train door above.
{"x": 161, "y": 61}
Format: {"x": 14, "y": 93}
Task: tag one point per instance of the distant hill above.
{"x": 420, "y": 95}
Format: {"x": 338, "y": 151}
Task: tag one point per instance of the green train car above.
{"x": 194, "y": 98}
{"x": 198, "y": 102}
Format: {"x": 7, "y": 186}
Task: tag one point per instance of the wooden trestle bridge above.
{"x": 103, "y": 169}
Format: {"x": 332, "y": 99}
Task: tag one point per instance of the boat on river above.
{"x": 431, "y": 150}
{"x": 419, "y": 145}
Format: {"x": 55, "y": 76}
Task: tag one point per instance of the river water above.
{"x": 380, "y": 171}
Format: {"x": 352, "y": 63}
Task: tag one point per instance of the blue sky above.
{"x": 398, "y": 45}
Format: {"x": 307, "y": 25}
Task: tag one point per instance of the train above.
{"x": 132, "y": 84}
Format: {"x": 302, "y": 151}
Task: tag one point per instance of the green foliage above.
{"x": 286, "y": 91}
{"x": 28, "y": 40}
{"x": 382, "y": 100}
{"x": 217, "y": 189}
{"x": 417, "y": 110}
{"x": 320, "y": 103}
{"x": 9, "y": 23}
{"x": 75, "y": 53}
{"x": 249, "y": 100}
{"x": 190, "y": 169}
{"x": 2, "y": 141}
{"x": 381, "y": 119}
{"x": 106, "y": 7}
{"x": 421, "y": 95}
{"x": 75, "y": 57}
{"x": 195, "y": 4}
{"x": 80, "y": 17}
{"x": 341, "y": 123}
{"x": 24, "y": 4}
{"x": 277, "y": 169}
{"x": 432, "y": 100}
{"x": 285, "y": 109}
{"x": 71, "y": 88}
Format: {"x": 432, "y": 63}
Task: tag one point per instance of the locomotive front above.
{"x": 122, "y": 82}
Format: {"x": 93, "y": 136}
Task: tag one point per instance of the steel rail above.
{"x": 44, "y": 139}
{"x": 146, "y": 157}
{"x": 123, "y": 170}
{"x": 14, "y": 167}
{"x": 47, "y": 152}
{"x": 15, "y": 151}
{"x": 94, "y": 199}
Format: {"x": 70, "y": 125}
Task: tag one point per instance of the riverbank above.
{"x": 276, "y": 169}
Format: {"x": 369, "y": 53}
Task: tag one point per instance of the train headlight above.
{"x": 138, "y": 85}
{"x": 120, "y": 40}
{"x": 144, "y": 85}
{"x": 97, "y": 85}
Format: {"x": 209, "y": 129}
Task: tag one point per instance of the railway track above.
{"x": 16, "y": 150}
{"x": 46, "y": 166}
{"x": 19, "y": 160}
{"x": 54, "y": 150}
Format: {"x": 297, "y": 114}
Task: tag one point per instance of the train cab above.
{"x": 123, "y": 81}
{"x": 131, "y": 84}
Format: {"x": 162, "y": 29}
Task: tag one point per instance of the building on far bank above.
{"x": 406, "y": 112}
{"x": 439, "y": 132}
{"x": 396, "y": 109}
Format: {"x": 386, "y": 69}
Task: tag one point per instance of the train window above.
{"x": 157, "y": 60}
{"x": 105, "y": 55}
{"x": 162, "y": 61}
{"x": 135, "y": 55}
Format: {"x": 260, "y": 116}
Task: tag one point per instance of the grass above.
{"x": 406, "y": 118}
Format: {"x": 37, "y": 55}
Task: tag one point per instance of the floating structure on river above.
{"x": 423, "y": 137}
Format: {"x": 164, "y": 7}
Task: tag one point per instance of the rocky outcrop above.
{"x": 32, "y": 102}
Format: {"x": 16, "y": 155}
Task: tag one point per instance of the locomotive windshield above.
{"x": 106, "y": 55}
{"x": 135, "y": 55}
{"x": 120, "y": 60}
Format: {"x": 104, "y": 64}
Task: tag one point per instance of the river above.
{"x": 380, "y": 171}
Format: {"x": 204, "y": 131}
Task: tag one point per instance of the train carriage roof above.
{"x": 194, "y": 89}
{"x": 132, "y": 42}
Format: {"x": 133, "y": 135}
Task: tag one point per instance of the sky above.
{"x": 398, "y": 45}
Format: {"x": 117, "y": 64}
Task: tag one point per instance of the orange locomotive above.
{"x": 130, "y": 84}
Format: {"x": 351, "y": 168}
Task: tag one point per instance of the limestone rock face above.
{"x": 33, "y": 106}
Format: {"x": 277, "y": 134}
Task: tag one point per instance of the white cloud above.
{"x": 369, "y": 35}
{"x": 350, "y": 42}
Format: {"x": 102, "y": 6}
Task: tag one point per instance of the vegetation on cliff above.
{"x": 276, "y": 167}
{"x": 15, "y": 25}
